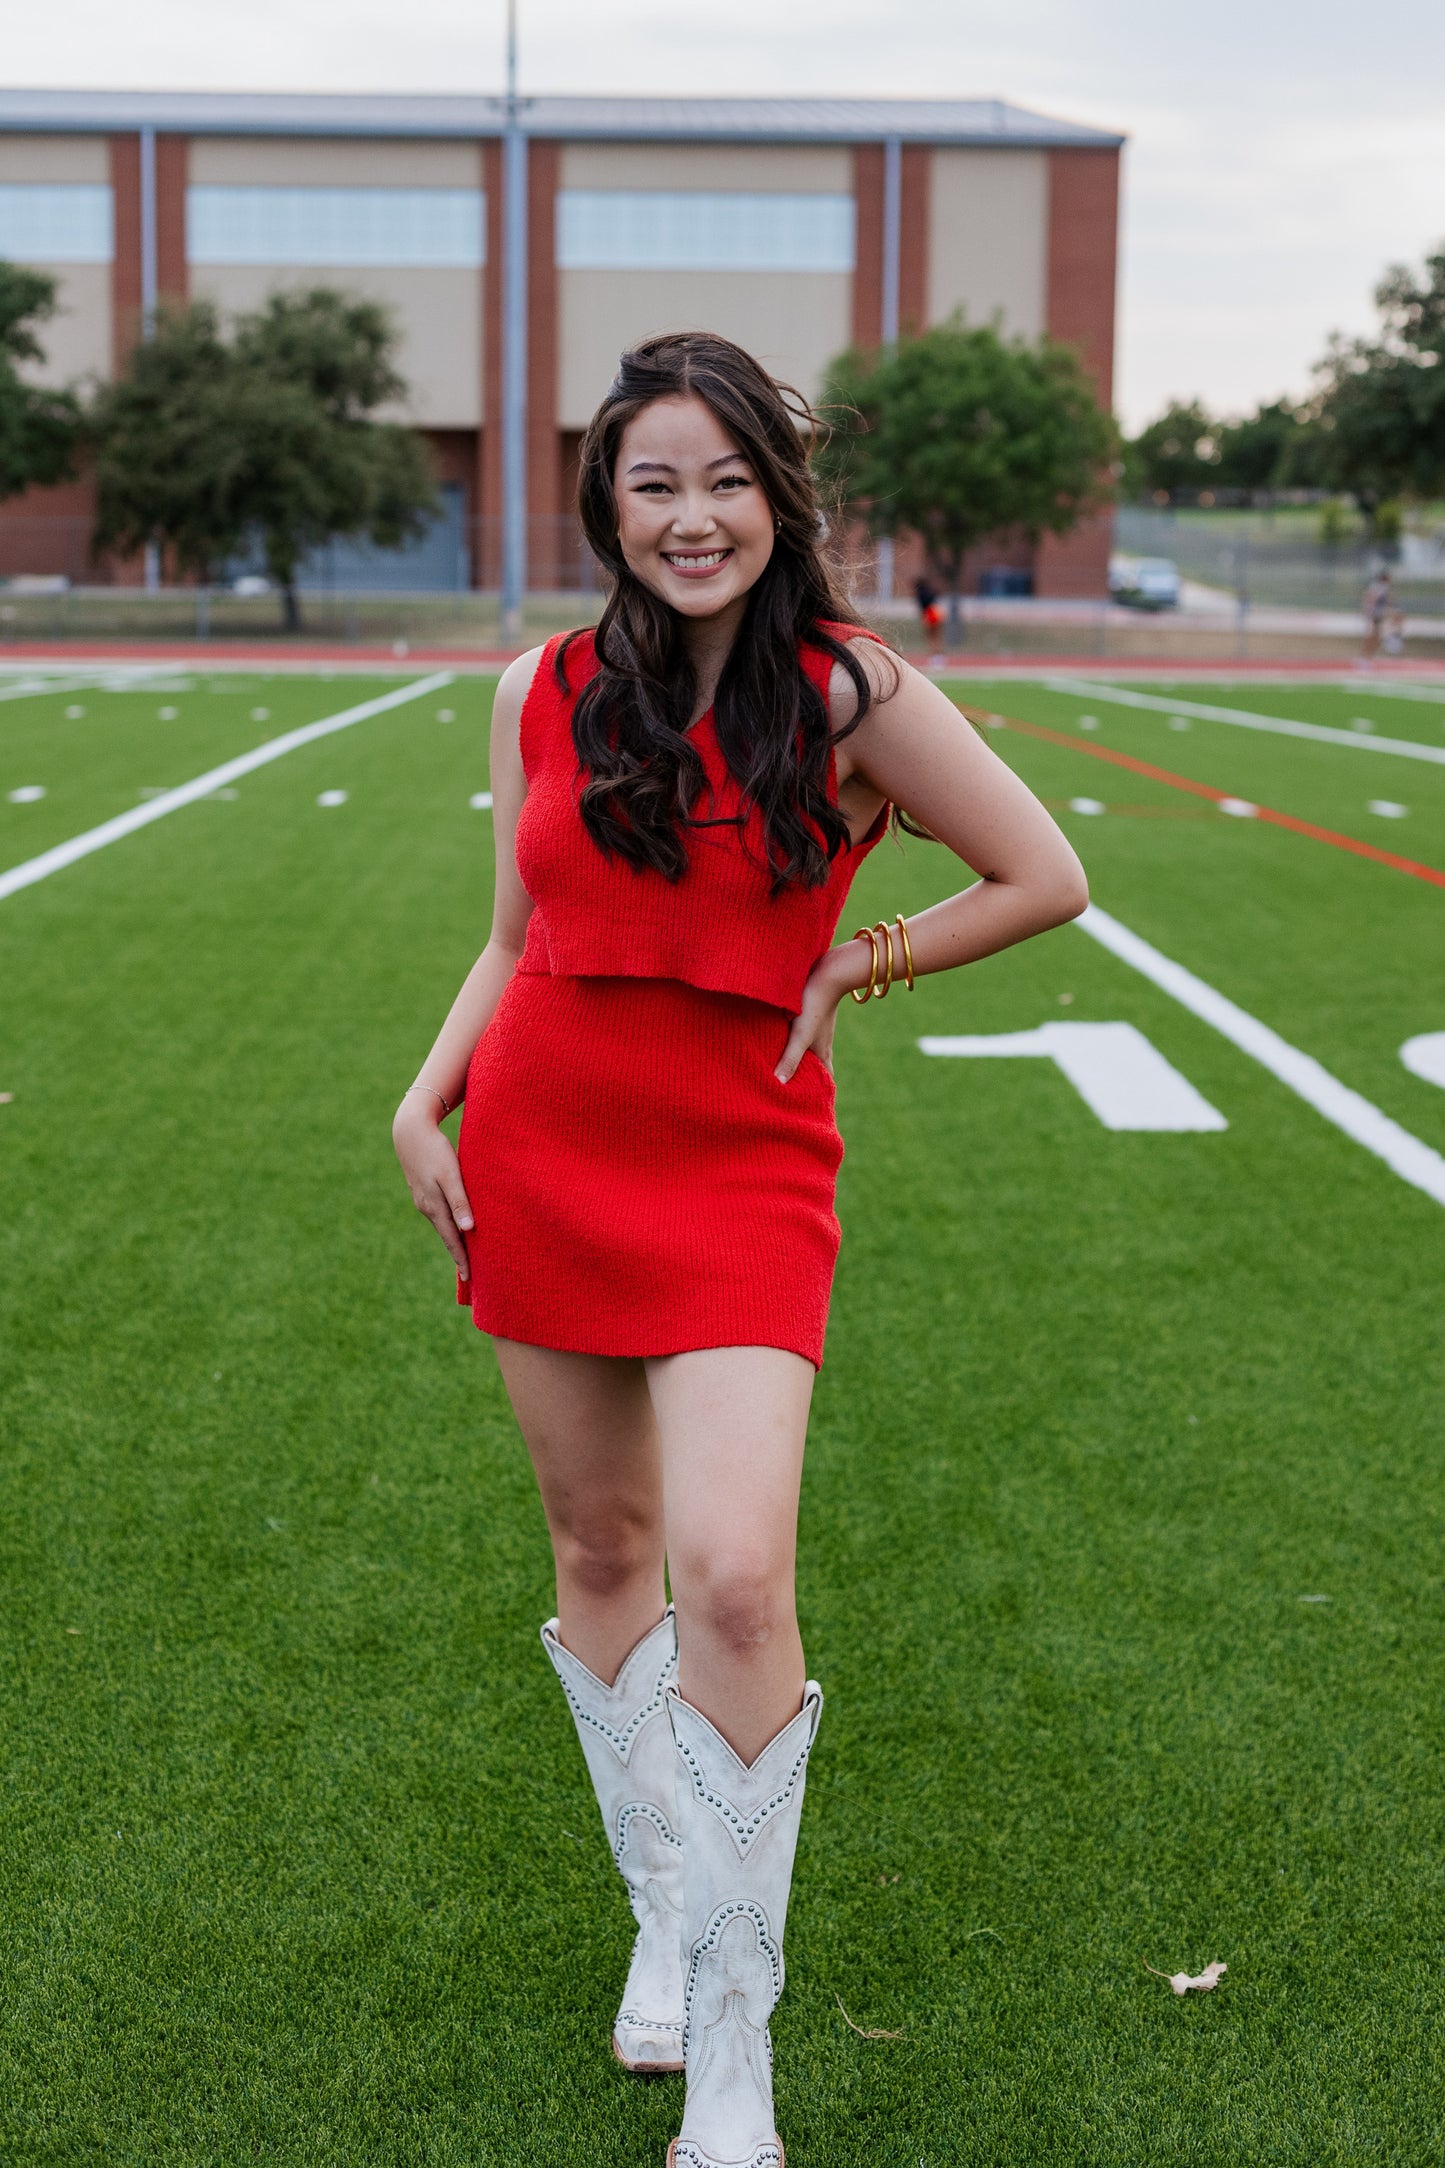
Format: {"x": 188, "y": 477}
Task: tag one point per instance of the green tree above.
{"x": 1380, "y": 402}
{"x": 39, "y": 429}
{"x": 207, "y": 439}
{"x": 960, "y": 434}
{"x": 1178, "y": 451}
{"x": 1275, "y": 447}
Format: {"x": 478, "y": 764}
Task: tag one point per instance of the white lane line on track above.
{"x": 1416, "y": 1163}
{"x": 201, "y": 786}
{"x": 1279, "y": 725}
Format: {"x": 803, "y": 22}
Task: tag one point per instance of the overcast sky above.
{"x": 1282, "y": 152}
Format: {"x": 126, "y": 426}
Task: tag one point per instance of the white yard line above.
{"x": 31, "y": 688}
{"x": 1279, "y": 725}
{"x": 154, "y": 809}
{"x": 1416, "y": 1163}
{"x": 1373, "y": 689}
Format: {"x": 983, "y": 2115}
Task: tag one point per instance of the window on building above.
{"x": 438, "y": 227}
{"x": 624, "y": 229}
{"x": 56, "y": 222}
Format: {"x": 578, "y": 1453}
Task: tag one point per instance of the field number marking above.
{"x": 1280, "y": 725}
{"x": 1425, "y": 1057}
{"x": 140, "y": 816}
{"x": 1416, "y": 1163}
{"x": 1118, "y": 1073}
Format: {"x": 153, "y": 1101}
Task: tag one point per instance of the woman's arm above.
{"x": 427, "y": 1158}
{"x": 915, "y": 748}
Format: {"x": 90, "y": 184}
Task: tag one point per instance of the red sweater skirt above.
{"x": 640, "y": 1181}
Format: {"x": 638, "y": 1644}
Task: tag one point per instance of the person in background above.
{"x": 1378, "y": 602}
{"x": 926, "y": 596}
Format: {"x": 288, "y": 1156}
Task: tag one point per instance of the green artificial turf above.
{"x": 298, "y": 1860}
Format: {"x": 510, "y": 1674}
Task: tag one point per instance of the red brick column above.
{"x": 1082, "y": 261}
{"x": 488, "y": 495}
{"x": 544, "y": 446}
{"x": 173, "y": 165}
{"x": 172, "y": 275}
{"x": 868, "y": 160}
{"x": 916, "y": 195}
{"x": 125, "y": 291}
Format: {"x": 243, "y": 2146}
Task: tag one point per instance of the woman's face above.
{"x": 693, "y": 523}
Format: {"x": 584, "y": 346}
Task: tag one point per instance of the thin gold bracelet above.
{"x": 885, "y": 941}
{"x": 866, "y": 933}
{"x": 907, "y": 954}
{"x": 446, "y": 1103}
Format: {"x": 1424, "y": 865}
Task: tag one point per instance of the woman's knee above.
{"x": 740, "y": 1600}
{"x": 601, "y": 1554}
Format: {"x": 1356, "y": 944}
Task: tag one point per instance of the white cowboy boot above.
{"x": 627, "y": 1740}
{"x": 739, "y": 1829}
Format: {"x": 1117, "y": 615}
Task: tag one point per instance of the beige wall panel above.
{"x": 988, "y": 237}
{"x": 54, "y": 158}
{"x": 76, "y": 338}
{"x": 795, "y": 322}
{"x": 319, "y": 162}
{"x": 440, "y": 313}
{"x": 807, "y": 170}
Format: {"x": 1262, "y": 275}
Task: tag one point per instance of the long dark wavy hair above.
{"x": 630, "y": 721}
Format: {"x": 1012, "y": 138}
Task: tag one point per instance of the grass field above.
{"x": 1121, "y": 1557}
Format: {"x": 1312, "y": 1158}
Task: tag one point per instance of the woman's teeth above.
{"x": 702, "y": 563}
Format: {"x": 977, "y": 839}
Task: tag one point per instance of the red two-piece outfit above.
{"x": 641, "y": 1182}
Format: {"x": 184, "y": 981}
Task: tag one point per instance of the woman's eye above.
{"x": 733, "y": 481}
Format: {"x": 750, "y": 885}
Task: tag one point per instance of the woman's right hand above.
{"x": 434, "y": 1176}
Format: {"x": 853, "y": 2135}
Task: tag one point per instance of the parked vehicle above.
{"x": 1144, "y": 583}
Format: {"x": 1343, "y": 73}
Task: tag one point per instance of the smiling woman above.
{"x": 681, "y": 800}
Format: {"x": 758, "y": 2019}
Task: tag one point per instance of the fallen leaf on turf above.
{"x": 1182, "y": 1982}
{"x": 874, "y": 2034}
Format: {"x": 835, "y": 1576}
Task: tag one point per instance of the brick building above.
{"x": 796, "y": 226}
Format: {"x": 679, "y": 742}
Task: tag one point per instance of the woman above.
{"x": 641, "y": 1205}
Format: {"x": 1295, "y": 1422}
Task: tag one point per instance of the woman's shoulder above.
{"x": 560, "y": 665}
{"x": 882, "y": 666}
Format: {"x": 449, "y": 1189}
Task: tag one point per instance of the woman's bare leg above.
{"x": 589, "y": 1427}
{"x": 731, "y": 1424}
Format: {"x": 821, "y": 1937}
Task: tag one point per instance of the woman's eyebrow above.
{"x": 662, "y": 466}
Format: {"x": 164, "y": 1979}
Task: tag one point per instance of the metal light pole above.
{"x": 149, "y": 287}
{"x": 514, "y": 349}
{"x": 892, "y": 260}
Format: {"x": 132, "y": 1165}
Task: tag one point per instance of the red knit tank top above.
{"x": 718, "y": 927}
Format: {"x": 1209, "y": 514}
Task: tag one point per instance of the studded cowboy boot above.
{"x": 628, "y": 1744}
{"x": 739, "y": 1829}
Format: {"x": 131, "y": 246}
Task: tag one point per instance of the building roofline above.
{"x": 970, "y": 122}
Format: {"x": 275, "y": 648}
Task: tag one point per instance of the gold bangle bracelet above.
{"x": 907, "y": 954}
{"x": 885, "y": 939}
{"x": 866, "y": 933}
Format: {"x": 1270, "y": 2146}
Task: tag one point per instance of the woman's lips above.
{"x": 696, "y": 564}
